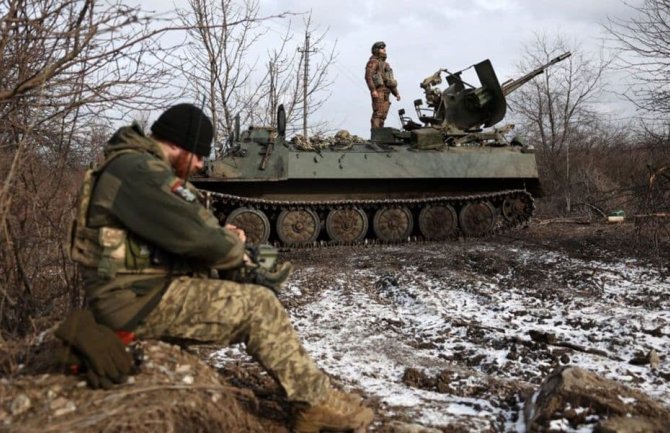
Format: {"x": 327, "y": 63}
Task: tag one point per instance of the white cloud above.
{"x": 496, "y": 5}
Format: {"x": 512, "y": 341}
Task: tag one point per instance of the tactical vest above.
{"x": 384, "y": 75}
{"x": 111, "y": 250}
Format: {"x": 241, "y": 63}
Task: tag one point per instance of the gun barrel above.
{"x": 510, "y": 86}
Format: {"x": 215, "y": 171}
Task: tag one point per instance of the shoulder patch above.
{"x": 178, "y": 188}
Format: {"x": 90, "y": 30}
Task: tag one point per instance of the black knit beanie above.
{"x": 186, "y": 126}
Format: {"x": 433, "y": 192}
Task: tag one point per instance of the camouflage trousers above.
{"x": 380, "y": 108}
{"x": 225, "y": 312}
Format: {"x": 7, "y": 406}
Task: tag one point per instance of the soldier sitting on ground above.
{"x": 147, "y": 246}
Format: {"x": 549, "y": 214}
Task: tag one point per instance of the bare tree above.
{"x": 284, "y": 82}
{"x": 643, "y": 41}
{"x": 644, "y": 45}
{"x": 556, "y": 111}
{"x": 225, "y": 66}
{"x": 216, "y": 65}
{"x": 558, "y": 105}
{"x": 65, "y": 64}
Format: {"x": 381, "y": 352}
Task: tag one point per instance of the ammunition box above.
{"x": 426, "y": 139}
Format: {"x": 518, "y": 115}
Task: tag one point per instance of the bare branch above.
{"x": 643, "y": 42}
{"x": 227, "y": 58}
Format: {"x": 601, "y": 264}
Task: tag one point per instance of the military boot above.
{"x": 338, "y": 412}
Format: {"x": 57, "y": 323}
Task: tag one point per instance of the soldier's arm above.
{"x": 370, "y": 69}
{"x": 147, "y": 198}
{"x": 394, "y": 89}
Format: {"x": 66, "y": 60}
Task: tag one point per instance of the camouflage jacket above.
{"x": 161, "y": 227}
{"x": 378, "y": 73}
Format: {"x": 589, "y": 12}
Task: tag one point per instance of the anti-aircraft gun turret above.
{"x": 459, "y": 112}
{"x": 436, "y": 180}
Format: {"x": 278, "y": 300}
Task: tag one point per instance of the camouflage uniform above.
{"x": 224, "y": 312}
{"x": 146, "y": 243}
{"x": 379, "y": 77}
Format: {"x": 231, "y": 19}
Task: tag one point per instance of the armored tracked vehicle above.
{"x": 451, "y": 174}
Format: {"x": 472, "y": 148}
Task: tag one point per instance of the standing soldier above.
{"x": 379, "y": 77}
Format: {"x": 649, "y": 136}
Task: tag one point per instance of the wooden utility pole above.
{"x": 305, "y": 50}
{"x": 272, "y": 110}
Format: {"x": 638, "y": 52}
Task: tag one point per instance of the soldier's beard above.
{"x": 382, "y": 56}
{"x": 182, "y": 164}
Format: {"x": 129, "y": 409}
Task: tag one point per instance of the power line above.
{"x": 358, "y": 82}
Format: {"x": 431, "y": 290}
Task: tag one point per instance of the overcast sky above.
{"x": 422, "y": 37}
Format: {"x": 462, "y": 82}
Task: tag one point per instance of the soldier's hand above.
{"x": 238, "y": 231}
{"x": 397, "y": 98}
{"x": 375, "y": 94}
{"x": 95, "y": 347}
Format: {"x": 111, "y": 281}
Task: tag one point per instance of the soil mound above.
{"x": 174, "y": 392}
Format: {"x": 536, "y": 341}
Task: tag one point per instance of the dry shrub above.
{"x": 38, "y": 280}
{"x": 602, "y": 179}
{"x": 653, "y": 231}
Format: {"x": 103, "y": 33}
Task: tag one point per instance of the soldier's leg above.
{"x": 377, "y": 120}
{"x": 384, "y": 106}
{"x": 373, "y": 117}
{"x": 225, "y": 312}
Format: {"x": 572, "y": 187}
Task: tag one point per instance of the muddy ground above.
{"x": 453, "y": 337}
{"x": 457, "y": 336}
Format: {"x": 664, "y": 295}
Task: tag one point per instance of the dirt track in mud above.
{"x": 456, "y": 336}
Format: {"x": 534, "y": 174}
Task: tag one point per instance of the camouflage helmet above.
{"x": 378, "y": 45}
{"x": 342, "y": 135}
